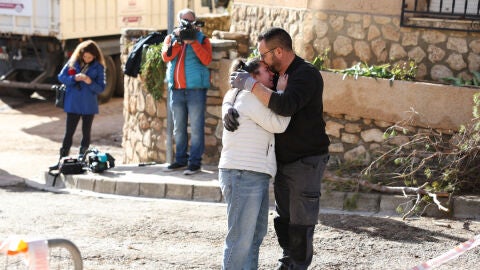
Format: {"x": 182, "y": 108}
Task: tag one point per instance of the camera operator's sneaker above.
{"x": 175, "y": 166}
{"x": 192, "y": 169}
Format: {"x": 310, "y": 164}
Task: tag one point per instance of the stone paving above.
{"x": 154, "y": 182}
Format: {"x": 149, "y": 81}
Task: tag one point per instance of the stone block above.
{"x": 336, "y": 148}
{"x": 85, "y": 183}
{"x": 181, "y": 192}
{"x": 59, "y": 181}
{"x": 433, "y": 211}
{"x": 70, "y": 182}
{"x": 390, "y": 203}
{"x": 104, "y": 186}
{"x": 466, "y": 207}
{"x": 152, "y": 190}
{"x": 127, "y": 188}
{"x": 332, "y": 200}
{"x": 217, "y": 55}
{"x": 224, "y": 72}
{"x": 207, "y": 193}
{"x": 364, "y": 202}
{"x": 372, "y": 135}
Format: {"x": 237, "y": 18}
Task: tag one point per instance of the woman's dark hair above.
{"x": 251, "y": 66}
{"x": 87, "y": 46}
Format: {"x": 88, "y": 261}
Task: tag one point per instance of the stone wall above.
{"x": 363, "y": 30}
{"x": 355, "y": 140}
{"x": 145, "y": 125}
{"x": 214, "y": 22}
{"x": 367, "y": 31}
{"x": 358, "y": 111}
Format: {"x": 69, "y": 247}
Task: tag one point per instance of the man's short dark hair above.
{"x": 277, "y": 37}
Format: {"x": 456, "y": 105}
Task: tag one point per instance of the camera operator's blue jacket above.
{"x": 187, "y": 64}
{"x": 81, "y": 98}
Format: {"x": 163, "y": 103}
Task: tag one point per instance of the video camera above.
{"x": 188, "y": 30}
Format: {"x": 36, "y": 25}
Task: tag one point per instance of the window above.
{"x": 461, "y": 15}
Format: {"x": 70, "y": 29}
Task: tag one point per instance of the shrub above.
{"x": 153, "y": 70}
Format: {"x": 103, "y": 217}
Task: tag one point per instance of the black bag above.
{"x": 59, "y": 94}
{"x": 71, "y": 165}
{"x": 68, "y": 165}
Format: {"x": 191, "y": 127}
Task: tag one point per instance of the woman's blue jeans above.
{"x": 246, "y": 195}
{"x": 188, "y": 103}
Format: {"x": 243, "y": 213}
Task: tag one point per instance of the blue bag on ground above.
{"x": 97, "y": 161}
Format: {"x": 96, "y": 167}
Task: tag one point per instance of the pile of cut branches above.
{"x": 445, "y": 163}
{"x": 430, "y": 164}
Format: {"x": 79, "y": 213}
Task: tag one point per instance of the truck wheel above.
{"x": 111, "y": 79}
{"x": 119, "y": 91}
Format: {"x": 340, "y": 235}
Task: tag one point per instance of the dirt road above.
{"x": 33, "y": 129}
{"x": 131, "y": 233}
{"x": 116, "y": 232}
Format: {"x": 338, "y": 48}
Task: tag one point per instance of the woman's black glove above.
{"x": 230, "y": 121}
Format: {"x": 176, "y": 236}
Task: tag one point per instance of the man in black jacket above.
{"x": 302, "y": 150}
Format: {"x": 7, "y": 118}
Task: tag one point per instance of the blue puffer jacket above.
{"x": 81, "y": 98}
{"x": 197, "y": 75}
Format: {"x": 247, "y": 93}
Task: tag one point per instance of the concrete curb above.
{"x": 155, "y": 182}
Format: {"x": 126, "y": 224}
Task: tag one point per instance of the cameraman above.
{"x": 187, "y": 52}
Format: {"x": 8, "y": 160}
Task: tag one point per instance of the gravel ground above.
{"x": 116, "y": 232}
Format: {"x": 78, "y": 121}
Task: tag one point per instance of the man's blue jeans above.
{"x": 188, "y": 103}
{"x": 246, "y": 194}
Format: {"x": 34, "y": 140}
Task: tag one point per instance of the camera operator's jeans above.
{"x": 246, "y": 194}
{"x": 188, "y": 103}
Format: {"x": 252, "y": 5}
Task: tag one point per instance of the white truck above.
{"x": 38, "y": 36}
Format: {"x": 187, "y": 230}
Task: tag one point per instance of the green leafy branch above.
{"x": 406, "y": 71}
{"x": 475, "y": 81}
{"x": 153, "y": 70}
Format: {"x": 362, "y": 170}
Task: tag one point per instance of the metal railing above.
{"x": 461, "y": 15}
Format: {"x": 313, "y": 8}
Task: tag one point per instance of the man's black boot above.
{"x": 301, "y": 246}
{"x": 281, "y": 228}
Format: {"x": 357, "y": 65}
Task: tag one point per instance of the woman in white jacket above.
{"x": 247, "y": 163}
